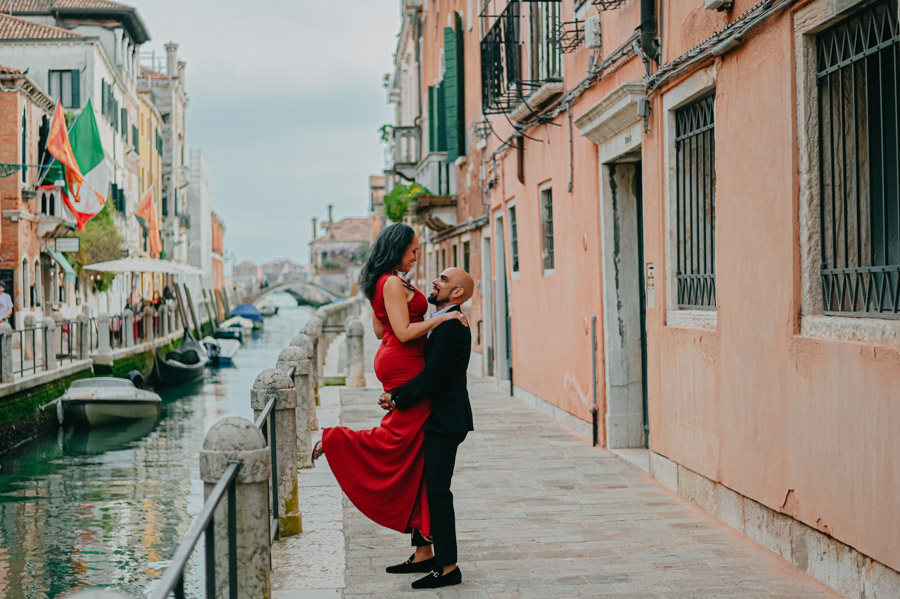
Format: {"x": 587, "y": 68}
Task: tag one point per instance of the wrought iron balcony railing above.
{"x": 506, "y": 77}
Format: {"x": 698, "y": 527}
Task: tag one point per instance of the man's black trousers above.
{"x": 440, "y": 460}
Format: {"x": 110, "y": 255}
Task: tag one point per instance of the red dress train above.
{"x": 380, "y": 470}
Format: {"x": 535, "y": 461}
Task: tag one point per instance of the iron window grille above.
{"x": 859, "y": 194}
{"x": 607, "y": 4}
{"x": 505, "y": 82}
{"x": 695, "y": 147}
{"x": 513, "y": 240}
{"x": 547, "y": 227}
{"x": 569, "y": 36}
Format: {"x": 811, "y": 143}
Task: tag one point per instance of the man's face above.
{"x": 441, "y": 288}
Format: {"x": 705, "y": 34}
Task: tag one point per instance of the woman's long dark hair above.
{"x": 385, "y": 255}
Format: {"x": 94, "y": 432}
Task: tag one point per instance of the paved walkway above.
{"x": 540, "y": 513}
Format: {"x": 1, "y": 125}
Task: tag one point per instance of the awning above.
{"x": 145, "y": 265}
{"x": 61, "y": 260}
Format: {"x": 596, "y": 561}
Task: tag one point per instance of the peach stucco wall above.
{"x": 806, "y": 426}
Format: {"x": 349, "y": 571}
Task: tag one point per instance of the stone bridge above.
{"x": 305, "y": 292}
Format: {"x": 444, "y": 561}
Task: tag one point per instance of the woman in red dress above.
{"x": 380, "y": 470}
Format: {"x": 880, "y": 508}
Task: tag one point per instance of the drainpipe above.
{"x": 648, "y": 29}
{"x": 595, "y": 413}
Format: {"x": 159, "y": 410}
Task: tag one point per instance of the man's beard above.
{"x": 433, "y": 300}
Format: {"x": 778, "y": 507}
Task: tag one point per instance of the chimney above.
{"x": 172, "y": 59}
{"x": 330, "y": 213}
{"x": 315, "y": 222}
{"x": 182, "y": 65}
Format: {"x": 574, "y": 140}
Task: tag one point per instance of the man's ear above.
{"x": 456, "y": 293}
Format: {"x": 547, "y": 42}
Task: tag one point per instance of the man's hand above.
{"x": 385, "y": 402}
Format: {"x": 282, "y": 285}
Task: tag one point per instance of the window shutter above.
{"x": 432, "y": 122}
{"x": 441, "y": 144}
{"x": 451, "y": 95}
{"x": 76, "y": 88}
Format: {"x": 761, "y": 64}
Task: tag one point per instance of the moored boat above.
{"x": 103, "y": 401}
{"x": 221, "y": 351}
{"x": 267, "y": 307}
{"x": 249, "y": 312}
{"x": 183, "y": 364}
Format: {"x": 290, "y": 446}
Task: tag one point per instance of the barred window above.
{"x": 466, "y": 253}
{"x": 859, "y": 196}
{"x": 547, "y": 227}
{"x": 695, "y": 146}
{"x": 513, "y": 240}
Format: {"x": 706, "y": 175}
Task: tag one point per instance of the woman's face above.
{"x": 410, "y": 256}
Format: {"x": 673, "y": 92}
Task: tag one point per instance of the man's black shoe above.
{"x": 408, "y": 566}
{"x": 435, "y": 580}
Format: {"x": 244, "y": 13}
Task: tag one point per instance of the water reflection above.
{"x": 109, "y": 507}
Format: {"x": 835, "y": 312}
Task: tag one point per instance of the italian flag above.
{"x": 84, "y": 198}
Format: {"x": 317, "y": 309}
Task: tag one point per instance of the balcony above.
{"x": 509, "y": 78}
{"x": 435, "y": 173}
{"x": 436, "y": 210}
{"x": 405, "y": 150}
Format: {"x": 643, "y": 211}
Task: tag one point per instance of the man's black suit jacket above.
{"x": 443, "y": 379}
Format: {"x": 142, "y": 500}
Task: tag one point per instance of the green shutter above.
{"x": 451, "y": 95}
{"x": 461, "y": 87}
{"x": 432, "y": 129}
{"x": 441, "y": 145}
{"x": 76, "y": 88}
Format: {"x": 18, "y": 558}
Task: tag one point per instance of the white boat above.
{"x": 238, "y": 322}
{"x": 267, "y": 308}
{"x": 221, "y": 351}
{"x": 105, "y": 400}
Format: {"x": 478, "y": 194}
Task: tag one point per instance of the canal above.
{"x": 109, "y": 507}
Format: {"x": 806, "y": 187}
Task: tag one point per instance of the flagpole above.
{"x": 69, "y": 130}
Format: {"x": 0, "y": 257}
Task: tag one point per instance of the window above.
{"x": 514, "y": 239}
{"x": 546, "y": 228}
{"x": 35, "y": 284}
{"x": 859, "y": 191}
{"x": 695, "y": 177}
{"x": 466, "y": 256}
{"x": 123, "y": 120}
{"x": 135, "y": 139}
{"x": 25, "y": 285}
{"x": 65, "y": 86}
{"x": 544, "y": 53}
{"x": 454, "y": 256}
{"x": 443, "y": 259}
{"x": 24, "y": 146}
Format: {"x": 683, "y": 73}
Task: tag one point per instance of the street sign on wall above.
{"x": 68, "y": 244}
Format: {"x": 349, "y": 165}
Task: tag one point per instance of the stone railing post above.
{"x": 128, "y": 327}
{"x": 274, "y": 383}
{"x": 344, "y": 351}
{"x": 103, "y": 347}
{"x": 147, "y": 321}
{"x": 163, "y": 319}
{"x": 49, "y": 329}
{"x": 356, "y": 372}
{"x": 28, "y": 340}
{"x": 303, "y": 341}
{"x": 83, "y": 340}
{"x": 314, "y": 331}
{"x": 6, "y": 356}
{"x": 295, "y": 357}
{"x": 237, "y": 439}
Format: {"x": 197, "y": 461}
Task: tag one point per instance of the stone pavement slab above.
{"x": 540, "y": 513}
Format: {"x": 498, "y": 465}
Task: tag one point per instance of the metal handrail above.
{"x": 173, "y": 578}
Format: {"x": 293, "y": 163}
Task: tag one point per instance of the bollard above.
{"x": 83, "y": 342}
{"x": 103, "y": 347}
{"x": 356, "y": 373}
{"x": 147, "y": 321}
{"x": 163, "y": 319}
{"x": 231, "y": 439}
{"x": 303, "y": 341}
{"x": 29, "y": 323}
{"x": 274, "y": 383}
{"x": 6, "y": 356}
{"x": 295, "y": 357}
{"x": 128, "y": 326}
{"x": 49, "y": 329}
{"x": 314, "y": 331}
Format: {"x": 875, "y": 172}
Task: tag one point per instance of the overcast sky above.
{"x": 286, "y": 98}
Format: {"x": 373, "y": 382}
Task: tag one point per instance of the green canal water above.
{"x": 108, "y": 508}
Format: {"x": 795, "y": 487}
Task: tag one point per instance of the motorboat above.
{"x": 102, "y": 401}
{"x": 237, "y": 322}
{"x": 220, "y": 351}
{"x": 267, "y": 307}
{"x": 183, "y": 364}
{"x": 249, "y": 312}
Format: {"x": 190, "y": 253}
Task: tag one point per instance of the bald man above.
{"x": 443, "y": 380}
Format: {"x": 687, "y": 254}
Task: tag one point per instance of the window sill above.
{"x": 514, "y": 275}
{"x": 842, "y": 328}
{"x": 692, "y": 319}
{"x": 549, "y": 272}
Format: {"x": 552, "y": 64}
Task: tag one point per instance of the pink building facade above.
{"x": 685, "y": 223}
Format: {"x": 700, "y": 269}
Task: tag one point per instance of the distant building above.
{"x": 149, "y": 148}
{"x": 278, "y": 271}
{"x": 218, "y": 251}
{"x": 199, "y": 210}
{"x": 376, "y": 203}
{"x": 344, "y": 243}
{"x": 248, "y": 275}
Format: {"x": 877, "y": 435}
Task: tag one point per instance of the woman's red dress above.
{"x": 380, "y": 470}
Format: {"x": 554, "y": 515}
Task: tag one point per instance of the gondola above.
{"x": 183, "y": 364}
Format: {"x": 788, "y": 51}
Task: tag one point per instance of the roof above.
{"x": 348, "y": 229}
{"x": 148, "y": 73}
{"x": 15, "y": 28}
{"x": 5, "y": 70}
{"x": 127, "y": 15}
